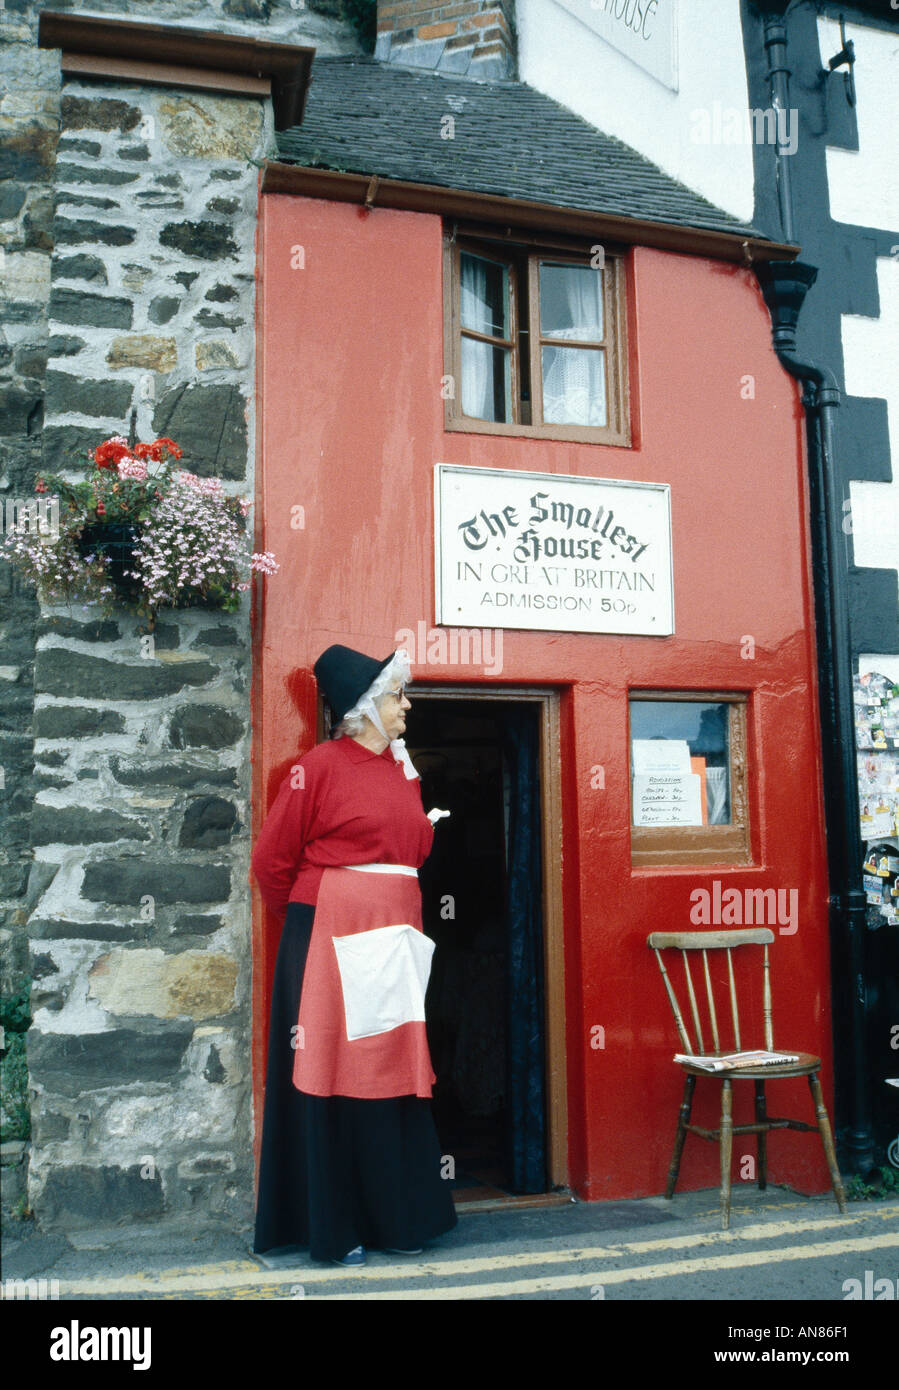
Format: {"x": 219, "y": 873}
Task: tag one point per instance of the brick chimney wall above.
{"x": 475, "y": 38}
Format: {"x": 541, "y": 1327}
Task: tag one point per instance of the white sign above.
{"x": 643, "y": 30}
{"x": 662, "y": 798}
{"x": 661, "y": 755}
{"x": 552, "y": 552}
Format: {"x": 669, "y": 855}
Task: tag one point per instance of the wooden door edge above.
{"x": 553, "y": 923}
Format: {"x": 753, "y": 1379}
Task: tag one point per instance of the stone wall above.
{"x": 152, "y": 274}
{"x": 323, "y": 24}
{"x": 29, "y": 128}
{"x": 139, "y": 1049}
{"x": 127, "y": 236}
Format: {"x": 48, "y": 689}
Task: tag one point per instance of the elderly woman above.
{"x": 350, "y": 1156}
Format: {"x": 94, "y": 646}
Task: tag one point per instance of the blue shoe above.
{"x": 353, "y": 1257}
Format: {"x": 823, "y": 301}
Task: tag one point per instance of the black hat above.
{"x": 345, "y": 675}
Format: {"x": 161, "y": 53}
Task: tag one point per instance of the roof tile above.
{"x": 363, "y": 116}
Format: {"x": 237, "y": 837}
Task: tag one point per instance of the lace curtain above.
{"x": 574, "y": 387}
{"x": 479, "y": 359}
{"x": 716, "y": 788}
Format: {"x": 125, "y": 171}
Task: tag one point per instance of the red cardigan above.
{"x": 339, "y": 804}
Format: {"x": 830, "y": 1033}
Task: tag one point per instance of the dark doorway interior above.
{"x": 482, "y": 903}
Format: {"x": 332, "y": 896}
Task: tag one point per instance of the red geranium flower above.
{"x": 101, "y": 509}
{"x": 107, "y": 455}
{"x": 144, "y": 451}
{"x": 168, "y": 445}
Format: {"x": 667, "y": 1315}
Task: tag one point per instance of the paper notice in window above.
{"x": 661, "y": 755}
{"x": 662, "y": 798}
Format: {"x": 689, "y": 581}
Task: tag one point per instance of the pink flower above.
{"x": 132, "y": 468}
{"x": 206, "y": 487}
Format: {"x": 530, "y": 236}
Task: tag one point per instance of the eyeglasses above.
{"x": 398, "y": 695}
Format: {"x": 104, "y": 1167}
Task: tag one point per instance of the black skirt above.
{"x": 335, "y": 1171}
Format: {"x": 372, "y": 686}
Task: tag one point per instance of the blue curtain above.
{"x": 525, "y": 1032}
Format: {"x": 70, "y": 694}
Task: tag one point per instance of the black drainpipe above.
{"x": 779, "y": 84}
{"x": 784, "y": 286}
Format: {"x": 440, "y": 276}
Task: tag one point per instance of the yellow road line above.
{"x": 233, "y": 1274}
{"x": 600, "y": 1279}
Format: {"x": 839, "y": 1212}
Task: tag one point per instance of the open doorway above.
{"x": 483, "y": 905}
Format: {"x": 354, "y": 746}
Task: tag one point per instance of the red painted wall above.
{"x": 350, "y": 425}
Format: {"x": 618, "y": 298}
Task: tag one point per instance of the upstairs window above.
{"x": 487, "y": 343}
{"x": 572, "y": 345}
{"x": 535, "y": 341}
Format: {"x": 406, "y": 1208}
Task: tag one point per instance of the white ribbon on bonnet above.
{"x": 399, "y": 666}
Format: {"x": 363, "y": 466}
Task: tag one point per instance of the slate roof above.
{"x": 364, "y": 116}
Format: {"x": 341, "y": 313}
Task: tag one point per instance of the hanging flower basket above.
{"x": 136, "y": 531}
{"x": 114, "y": 542}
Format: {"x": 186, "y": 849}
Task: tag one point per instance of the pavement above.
{"x": 780, "y": 1247}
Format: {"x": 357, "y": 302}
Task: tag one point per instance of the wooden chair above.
{"x": 808, "y": 1066}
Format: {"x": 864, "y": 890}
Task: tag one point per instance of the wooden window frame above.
{"x": 657, "y": 846}
{"x": 522, "y": 254}
{"x": 509, "y": 265}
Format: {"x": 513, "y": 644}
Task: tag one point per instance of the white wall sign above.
{"x": 551, "y": 552}
{"x": 643, "y": 30}
{"x": 667, "y": 798}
